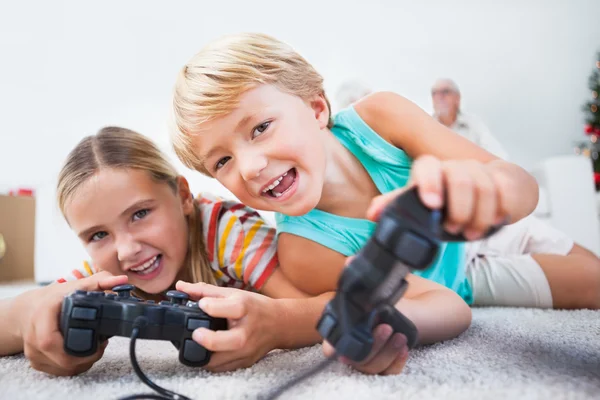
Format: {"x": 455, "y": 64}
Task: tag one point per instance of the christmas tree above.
{"x": 592, "y": 120}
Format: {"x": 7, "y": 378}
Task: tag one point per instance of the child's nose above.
{"x": 251, "y": 165}
{"x": 128, "y": 248}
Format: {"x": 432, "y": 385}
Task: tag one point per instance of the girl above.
{"x": 252, "y": 113}
{"x": 138, "y": 221}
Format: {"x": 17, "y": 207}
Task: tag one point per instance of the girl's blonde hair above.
{"x": 210, "y": 84}
{"x": 120, "y": 148}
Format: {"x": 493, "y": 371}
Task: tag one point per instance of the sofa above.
{"x": 568, "y": 199}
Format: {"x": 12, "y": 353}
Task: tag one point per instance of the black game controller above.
{"x": 407, "y": 237}
{"x": 90, "y": 317}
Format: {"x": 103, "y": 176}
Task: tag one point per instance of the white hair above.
{"x": 351, "y": 91}
{"x": 448, "y": 82}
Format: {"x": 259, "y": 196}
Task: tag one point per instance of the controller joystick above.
{"x": 177, "y": 297}
{"x": 123, "y": 291}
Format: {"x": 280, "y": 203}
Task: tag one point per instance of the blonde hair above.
{"x": 120, "y": 148}
{"x": 210, "y": 84}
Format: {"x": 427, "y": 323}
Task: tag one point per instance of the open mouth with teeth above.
{"x": 281, "y": 185}
{"x": 148, "y": 267}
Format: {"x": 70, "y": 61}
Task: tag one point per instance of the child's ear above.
{"x": 187, "y": 199}
{"x": 320, "y": 107}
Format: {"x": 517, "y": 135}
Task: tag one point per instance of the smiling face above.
{"x": 131, "y": 224}
{"x": 269, "y": 151}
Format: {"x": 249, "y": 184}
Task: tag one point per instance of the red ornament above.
{"x": 597, "y": 131}
{"x": 597, "y": 178}
{"x": 588, "y": 129}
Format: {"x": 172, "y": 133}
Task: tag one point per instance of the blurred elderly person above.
{"x": 351, "y": 91}
{"x": 446, "y": 105}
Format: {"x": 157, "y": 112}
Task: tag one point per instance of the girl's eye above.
{"x": 98, "y": 236}
{"x": 221, "y": 162}
{"x": 140, "y": 214}
{"x": 260, "y": 129}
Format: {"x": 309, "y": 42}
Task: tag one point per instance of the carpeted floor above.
{"x": 506, "y": 354}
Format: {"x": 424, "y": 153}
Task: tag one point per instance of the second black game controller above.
{"x": 88, "y": 318}
{"x": 408, "y": 237}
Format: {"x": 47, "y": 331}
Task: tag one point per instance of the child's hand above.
{"x": 389, "y": 353}
{"x": 476, "y": 198}
{"x": 251, "y": 319}
{"x": 39, "y": 325}
{"x": 388, "y": 356}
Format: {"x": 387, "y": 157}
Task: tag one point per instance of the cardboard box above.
{"x": 17, "y": 226}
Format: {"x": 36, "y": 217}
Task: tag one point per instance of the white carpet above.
{"x": 506, "y": 354}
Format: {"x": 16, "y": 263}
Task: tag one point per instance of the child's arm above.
{"x": 437, "y": 312}
{"x": 11, "y": 341}
{"x": 477, "y": 182}
{"x": 260, "y": 323}
{"x": 31, "y": 325}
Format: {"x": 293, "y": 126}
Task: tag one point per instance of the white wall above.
{"x": 69, "y": 67}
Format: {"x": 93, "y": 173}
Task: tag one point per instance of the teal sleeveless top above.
{"x": 389, "y": 167}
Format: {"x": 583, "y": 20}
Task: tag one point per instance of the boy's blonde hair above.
{"x": 120, "y": 148}
{"x": 210, "y": 84}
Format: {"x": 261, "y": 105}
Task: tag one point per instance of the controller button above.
{"x": 193, "y": 352}
{"x": 414, "y": 250}
{"x": 84, "y": 313}
{"x": 193, "y": 324}
{"x": 80, "y": 292}
{"x": 150, "y": 302}
{"x": 111, "y": 296}
{"x": 80, "y": 340}
{"x": 387, "y": 230}
{"x": 192, "y": 304}
{"x": 165, "y": 303}
{"x": 95, "y": 294}
{"x": 326, "y": 325}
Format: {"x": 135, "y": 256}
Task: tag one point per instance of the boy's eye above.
{"x": 140, "y": 214}
{"x": 221, "y": 162}
{"x": 260, "y": 129}
{"x": 98, "y": 236}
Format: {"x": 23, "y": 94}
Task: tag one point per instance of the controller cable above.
{"x": 165, "y": 394}
{"x": 323, "y": 364}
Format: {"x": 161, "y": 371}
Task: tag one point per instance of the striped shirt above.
{"x": 241, "y": 246}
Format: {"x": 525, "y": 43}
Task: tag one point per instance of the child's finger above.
{"x": 328, "y": 349}
{"x": 109, "y": 282}
{"x": 427, "y": 175}
{"x": 227, "y": 361}
{"x": 99, "y": 281}
{"x": 486, "y": 203}
{"x": 506, "y": 198}
{"x": 384, "y": 354}
{"x": 199, "y": 290}
{"x": 224, "y": 307}
{"x": 226, "y": 340}
{"x": 376, "y": 360}
{"x": 460, "y": 197}
{"x": 380, "y": 202}
{"x": 398, "y": 364}
{"x": 348, "y": 260}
